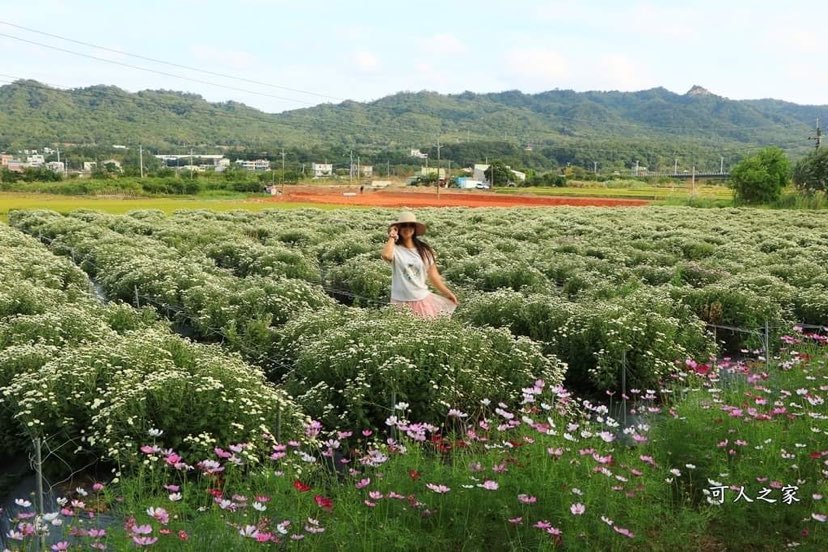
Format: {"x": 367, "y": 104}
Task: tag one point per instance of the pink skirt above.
{"x": 431, "y": 307}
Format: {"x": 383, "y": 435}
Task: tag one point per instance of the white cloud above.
{"x": 795, "y": 39}
{"x": 621, "y": 73}
{"x": 229, "y": 58}
{"x": 443, "y": 44}
{"x": 562, "y": 11}
{"x": 536, "y": 67}
{"x": 366, "y": 62}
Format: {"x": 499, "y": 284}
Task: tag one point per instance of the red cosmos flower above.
{"x": 301, "y": 487}
{"x": 216, "y": 493}
{"x": 702, "y": 369}
{"x": 414, "y": 475}
{"x": 324, "y": 502}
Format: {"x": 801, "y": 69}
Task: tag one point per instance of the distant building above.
{"x": 16, "y": 166}
{"x": 362, "y": 171}
{"x": 479, "y": 173}
{"x": 89, "y": 166}
{"x": 205, "y": 161}
{"x": 433, "y": 170}
{"x": 418, "y": 154}
{"x": 322, "y": 170}
{"x": 118, "y": 146}
{"x": 35, "y": 160}
{"x": 4, "y": 159}
{"x": 256, "y": 165}
{"x": 56, "y": 166}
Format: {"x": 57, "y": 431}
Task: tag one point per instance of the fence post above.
{"x": 624, "y": 384}
{"x": 767, "y": 346}
{"x": 279, "y": 425}
{"x": 39, "y": 485}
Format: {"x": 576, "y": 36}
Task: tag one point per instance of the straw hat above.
{"x": 409, "y": 217}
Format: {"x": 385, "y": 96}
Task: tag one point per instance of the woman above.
{"x": 412, "y": 262}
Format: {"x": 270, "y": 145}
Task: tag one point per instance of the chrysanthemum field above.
{"x": 614, "y": 379}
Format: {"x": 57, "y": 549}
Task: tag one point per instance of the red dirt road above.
{"x": 428, "y": 198}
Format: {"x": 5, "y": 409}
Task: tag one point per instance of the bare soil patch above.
{"x": 427, "y": 197}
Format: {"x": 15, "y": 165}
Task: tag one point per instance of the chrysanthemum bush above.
{"x": 363, "y": 280}
{"x": 639, "y": 336}
{"x": 355, "y": 369}
{"x": 106, "y": 395}
{"x": 551, "y": 472}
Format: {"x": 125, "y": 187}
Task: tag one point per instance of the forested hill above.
{"x": 652, "y": 125}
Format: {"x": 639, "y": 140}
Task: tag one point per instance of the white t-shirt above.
{"x": 408, "y": 275}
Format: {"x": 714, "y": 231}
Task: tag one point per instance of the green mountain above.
{"x": 654, "y": 127}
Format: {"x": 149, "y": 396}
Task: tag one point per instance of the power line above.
{"x": 163, "y": 73}
{"x": 171, "y": 64}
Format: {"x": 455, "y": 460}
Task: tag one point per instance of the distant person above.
{"x": 361, "y": 188}
{"x": 412, "y": 263}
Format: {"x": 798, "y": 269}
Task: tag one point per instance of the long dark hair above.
{"x": 425, "y": 250}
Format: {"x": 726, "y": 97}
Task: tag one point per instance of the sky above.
{"x": 281, "y": 55}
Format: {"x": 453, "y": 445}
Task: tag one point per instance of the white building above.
{"x": 35, "y": 160}
{"x": 255, "y": 165}
{"x": 479, "y": 173}
{"x": 362, "y": 171}
{"x": 418, "y": 154}
{"x": 89, "y": 166}
{"x": 433, "y": 170}
{"x": 321, "y": 170}
{"x": 56, "y": 166}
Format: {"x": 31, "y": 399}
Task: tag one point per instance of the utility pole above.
{"x": 595, "y": 167}
{"x": 636, "y": 167}
{"x": 693, "y": 183}
{"x": 438, "y": 168}
{"x": 141, "y": 156}
{"x": 818, "y": 137}
{"x": 675, "y": 167}
{"x": 351, "y": 169}
{"x": 721, "y": 164}
{"x": 283, "y": 171}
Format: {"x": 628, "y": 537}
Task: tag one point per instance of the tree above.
{"x": 810, "y": 175}
{"x": 502, "y": 175}
{"x": 761, "y": 177}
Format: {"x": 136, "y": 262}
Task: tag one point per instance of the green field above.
{"x": 120, "y": 205}
{"x": 656, "y": 193}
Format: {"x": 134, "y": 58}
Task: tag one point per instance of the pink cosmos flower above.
{"x": 362, "y": 483}
{"x": 144, "y": 541}
{"x": 819, "y": 517}
{"x": 527, "y": 499}
{"x": 439, "y": 489}
{"x": 159, "y": 514}
{"x": 621, "y": 531}
{"x": 489, "y": 485}
{"x": 142, "y": 530}
{"x": 375, "y": 495}
{"x": 61, "y": 546}
{"x": 542, "y": 525}
{"x": 577, "y": 509}
{"x": 556, "y": 452}
{"x": 516, "y": 520}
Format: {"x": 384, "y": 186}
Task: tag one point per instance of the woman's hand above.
{"x": 450, "y": 296}
{"x": 393, "y": 233}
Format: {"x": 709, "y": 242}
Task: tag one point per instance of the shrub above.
{"x": 107, "y": 395}
{"x": 351, "y": 375}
